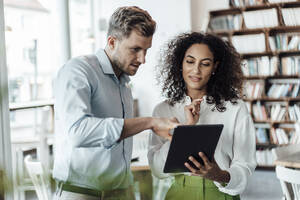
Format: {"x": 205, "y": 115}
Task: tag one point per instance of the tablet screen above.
{"x": 188, "y": 141}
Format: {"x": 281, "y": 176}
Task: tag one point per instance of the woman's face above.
{"x": 197, "y": 67}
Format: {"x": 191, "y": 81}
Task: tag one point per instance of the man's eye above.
{"x": 135, "y": 49}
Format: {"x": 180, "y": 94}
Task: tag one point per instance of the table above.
{"x": 292, "y": 161}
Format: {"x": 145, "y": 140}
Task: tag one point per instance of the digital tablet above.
{"x": 188, "y": 141}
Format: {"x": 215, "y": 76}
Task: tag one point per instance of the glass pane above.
{"x": 32, "y": 65}
{"x": 29, "y": 50}
{"x": 82, "y": 36}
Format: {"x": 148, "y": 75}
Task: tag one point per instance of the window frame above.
{"x": 5, "y": 144}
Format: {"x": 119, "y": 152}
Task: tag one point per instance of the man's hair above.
{"x": 126, "y": 19}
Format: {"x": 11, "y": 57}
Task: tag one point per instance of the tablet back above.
{"x": 189, "y": 141}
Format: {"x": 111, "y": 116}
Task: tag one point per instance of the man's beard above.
{"x": 117, "y": 65}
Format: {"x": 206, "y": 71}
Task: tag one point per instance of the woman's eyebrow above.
{"x": 190, "y": 56}
{"x": 204, "y": 59}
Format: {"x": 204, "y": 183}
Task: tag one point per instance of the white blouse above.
{"x": 235, "y": 151}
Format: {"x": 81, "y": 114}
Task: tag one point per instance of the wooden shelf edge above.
{"x": 272, "y": 99}
{"x": 258, "y": 7}
{"x": 265, "y": 167}
{"x": 272, "y": 77}
{"x": 271, "y": 30}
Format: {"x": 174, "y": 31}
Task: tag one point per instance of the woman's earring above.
{"x": 213, "y": 73}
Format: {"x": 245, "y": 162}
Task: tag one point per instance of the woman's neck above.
{"x": 196, "y": 94}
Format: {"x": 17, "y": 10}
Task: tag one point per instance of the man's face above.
{"x": 129, "y": 53}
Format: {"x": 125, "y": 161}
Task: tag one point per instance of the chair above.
{"x": 290, "y": 182}
{"x": 39, "y": 177}
{"x": 281, "y": 152}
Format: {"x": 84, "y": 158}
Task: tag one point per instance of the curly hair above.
{"x": 224, "y": 85}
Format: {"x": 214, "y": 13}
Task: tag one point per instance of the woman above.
{"x": 202, "y": 80}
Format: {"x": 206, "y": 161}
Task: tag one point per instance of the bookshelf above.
{"x": 267, "y": 35}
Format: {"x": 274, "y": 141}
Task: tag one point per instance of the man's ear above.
{"x": 111, "y": 41}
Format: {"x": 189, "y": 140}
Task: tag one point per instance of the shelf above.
{"x": 271, "y": 30}
{"x": 226, "y": 12}
{"x": 269, "y": 34}
{"x": 265, "y": 167}
{"x": 257, "y": 54}
{"x": 273, "y": 99}
{"x": 288, "y": 53}
{"x": 270, "y": 53}
{"x": 257, "y": 7}
{"x": 265, "y": 145}
{"x": 274, "y": 122}
{"x": 268, "y": 145}
{"x": 272, "y": 77}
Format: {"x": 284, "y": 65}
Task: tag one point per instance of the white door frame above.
{"x": 5, "y": 145}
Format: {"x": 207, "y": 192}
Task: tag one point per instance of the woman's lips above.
{"x": 195, "y": 78}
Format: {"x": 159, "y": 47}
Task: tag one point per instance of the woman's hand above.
{"x": 192, "y": 112}
{"x": 210, "y": 170}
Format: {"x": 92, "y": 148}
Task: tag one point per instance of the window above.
{"x": 81, "y": 27}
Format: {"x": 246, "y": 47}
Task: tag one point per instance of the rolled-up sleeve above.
{"x": 244, "y": 161}
{"x": 73, "y": 91}
{"x": 157, "y": 152}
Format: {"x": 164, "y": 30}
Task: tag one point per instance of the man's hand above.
{"x": 162, "y": 126}
{"x": 192, "y": 112}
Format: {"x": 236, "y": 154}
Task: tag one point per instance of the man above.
{"x": 94, "y": 110}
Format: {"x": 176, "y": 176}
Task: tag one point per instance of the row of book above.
{"x": 251, "y": 43}
{"x": 284, "y": 90}
{"x": 253, "y": 89}
{"x": 267, "y": 18}
{"x": 281, "y": 136}
{"x": 264, "y": 157}
{"x": 291, "y": 16}
{"x": 290, "y": 65}
{"x": 272, "y": 111}
{"x": 285, "y": 42}
{"x": 260, "y": 66}
{"x": 226, "y": 22}
{"x": 278, "y": 136}
{"x": 268, "y": 66}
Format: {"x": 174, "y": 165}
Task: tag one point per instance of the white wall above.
{"x": 200, "y": 12}
{"x": 171, "y": 17}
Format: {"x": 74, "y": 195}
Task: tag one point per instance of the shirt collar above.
{"x": 187, "y": 100}
{"x": 107, "y": 67}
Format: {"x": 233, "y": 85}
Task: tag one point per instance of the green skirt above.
{"x": 196, "y": 188}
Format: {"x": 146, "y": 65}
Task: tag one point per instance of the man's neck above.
{"x": 116, "y": 70}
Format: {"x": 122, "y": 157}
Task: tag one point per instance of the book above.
{"x": 252, "y": 43}
{"x": 261, "y": 135}
{"x": 268, "y": 18}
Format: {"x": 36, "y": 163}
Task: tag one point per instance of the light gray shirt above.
{"x": 235, "y": 151}
{"x": 90, "y": 106}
